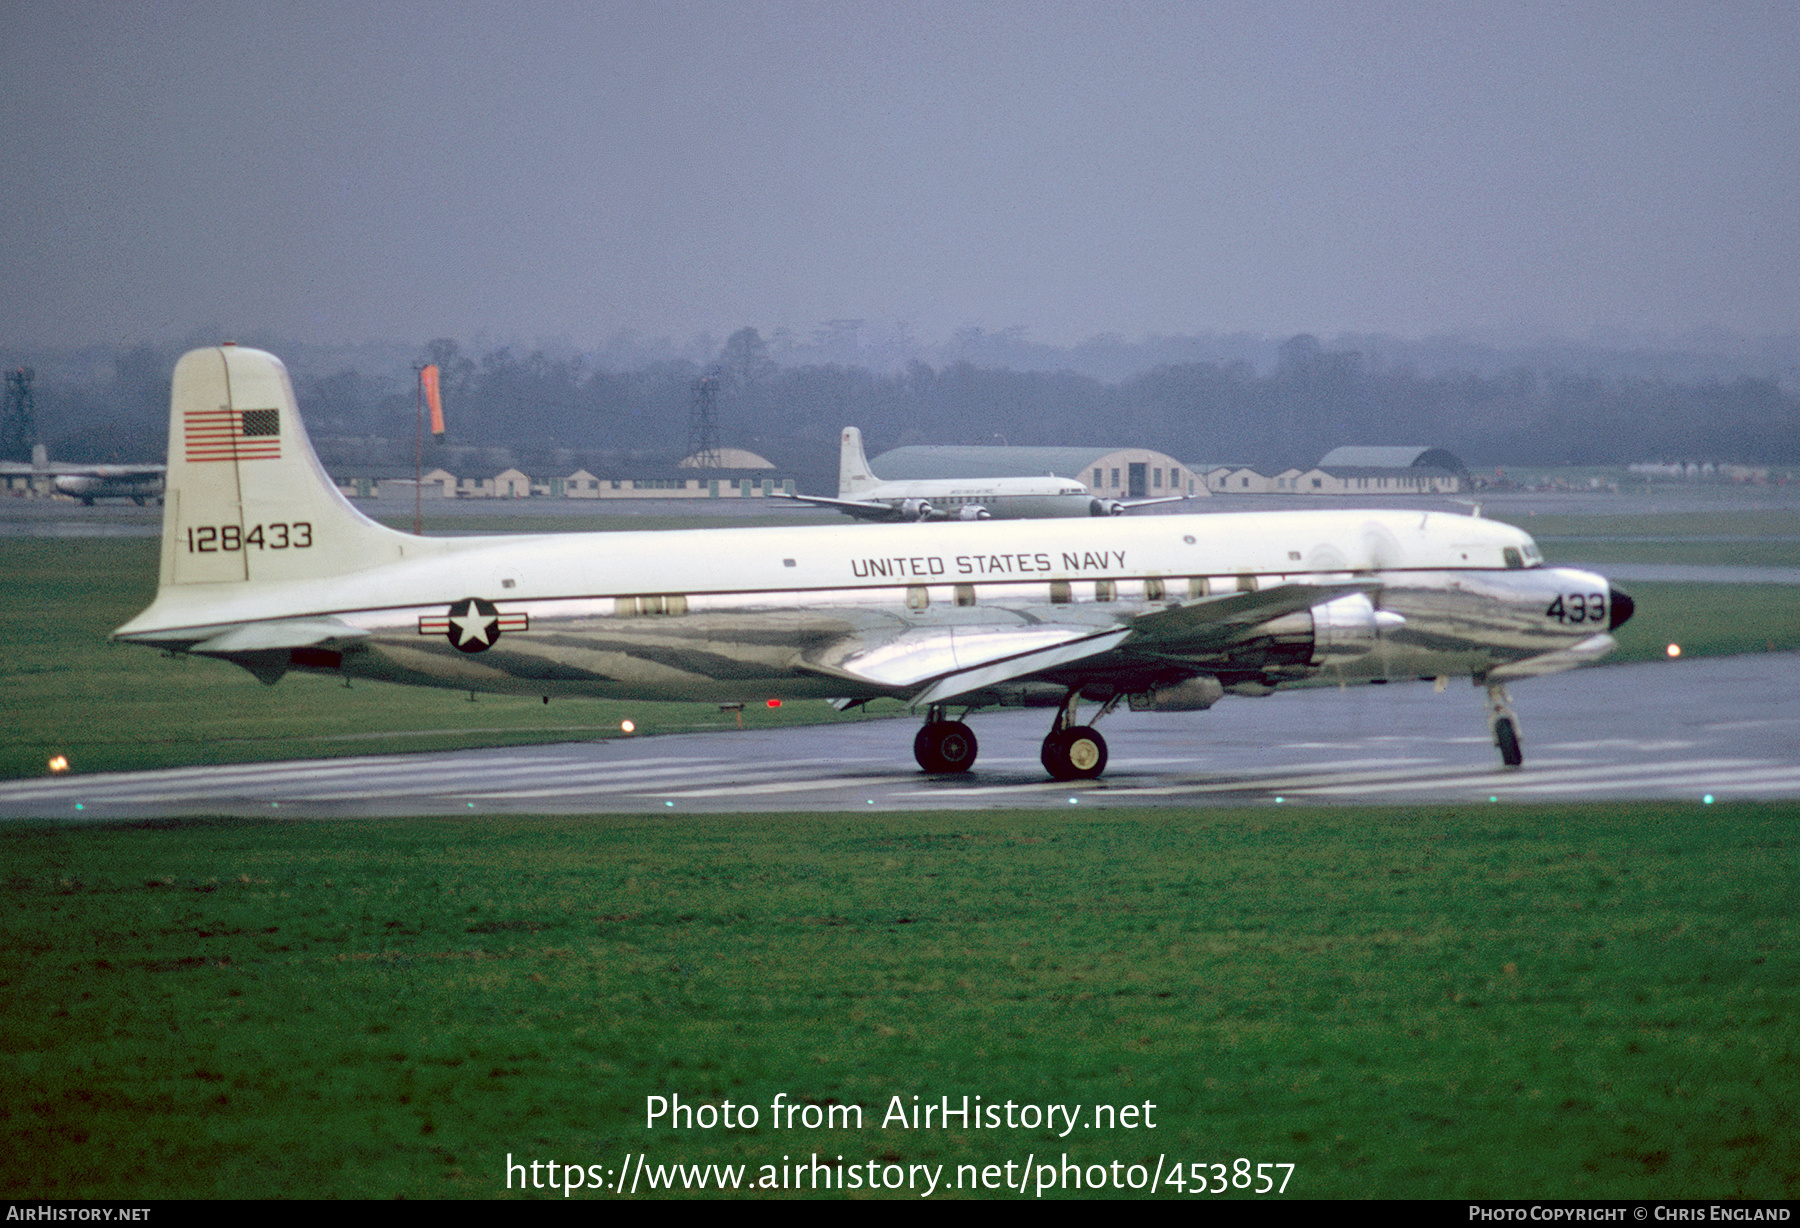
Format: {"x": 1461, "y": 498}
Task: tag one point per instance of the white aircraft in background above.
{"x": 867, "y": 497}
{"x": 264, "y": 564}
{"x": 138, "y": 483}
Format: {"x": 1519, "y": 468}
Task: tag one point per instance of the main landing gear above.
{"x": 1505, "y": 724}
{"x": 1071, "y": 751}
{"x": 944, "y": 746}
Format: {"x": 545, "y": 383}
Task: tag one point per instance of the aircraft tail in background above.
{"x": 854, "y": 476}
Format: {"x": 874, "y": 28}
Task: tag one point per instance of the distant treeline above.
{"x": 551, "y": 409}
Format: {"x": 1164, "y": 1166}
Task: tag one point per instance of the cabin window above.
{"x": 916, "y": 597}
{"x": 1106, "y": 590}
{"x": 1059, "y": 592}
{"x": 965, "y": 594}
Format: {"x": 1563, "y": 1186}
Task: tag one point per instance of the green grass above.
{"x": 1766, "y": 522}
{"x": 1762, "y": 537}
{"x": 1445, "y": 1002}
{"x": 1708, "y": 620}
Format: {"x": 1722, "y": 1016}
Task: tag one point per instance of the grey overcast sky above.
{"x": 331, "y": 171}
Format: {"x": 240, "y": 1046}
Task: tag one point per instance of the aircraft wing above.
{"x": 925, "y": 654}
{"x": 850, "y": 507}
{"x": 956, "y": 660}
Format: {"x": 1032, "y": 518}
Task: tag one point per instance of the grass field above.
{"x": 1443, "y": 1002}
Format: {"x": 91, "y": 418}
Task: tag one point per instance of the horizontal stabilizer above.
{"x": 269, "y": 636}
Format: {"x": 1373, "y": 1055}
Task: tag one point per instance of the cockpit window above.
{"x": 1514, "y": 562}
{"x": 1533, "y": 556}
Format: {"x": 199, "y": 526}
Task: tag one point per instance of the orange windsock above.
{"x": 428, "y": 376}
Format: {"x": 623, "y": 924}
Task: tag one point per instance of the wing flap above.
{"x": 924, "y": 653}
{"x": 964, "y": 681}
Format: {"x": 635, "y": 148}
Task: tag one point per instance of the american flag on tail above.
{"x": 226, "y": 434}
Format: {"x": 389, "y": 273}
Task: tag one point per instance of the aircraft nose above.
{"x": 1622, "y": 608}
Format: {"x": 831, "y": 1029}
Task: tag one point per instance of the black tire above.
{"x": 1506, "y": 737}
{"x": 945, "y": 746}
{"x": 1074, "y": 754}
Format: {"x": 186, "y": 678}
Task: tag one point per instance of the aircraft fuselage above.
{"x": 754, "y": 614}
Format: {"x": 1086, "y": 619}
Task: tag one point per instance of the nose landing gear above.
{"x": 1504, "y": 723}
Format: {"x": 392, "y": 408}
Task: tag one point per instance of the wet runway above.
{"x": 1727, "y": 729}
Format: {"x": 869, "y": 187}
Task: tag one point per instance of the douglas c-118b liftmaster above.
{"x": 863, "y": 495}
{"x": 266, "y": 565}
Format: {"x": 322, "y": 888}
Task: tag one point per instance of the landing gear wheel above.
{"x": 1505, "y": 725}
{"x": 1078, "y": 753}
{"x": 945, "y": 746}
{"x": 1506, "y": 737}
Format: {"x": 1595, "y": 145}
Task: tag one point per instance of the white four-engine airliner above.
{"x": 863, "y": 495}
{"x": 264, "y": 564}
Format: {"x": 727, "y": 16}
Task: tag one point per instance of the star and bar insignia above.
{"x": 473, "y": 625}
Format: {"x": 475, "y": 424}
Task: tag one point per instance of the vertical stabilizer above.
{"x": 247, "y": 500}
{"x": 853, "y": 467}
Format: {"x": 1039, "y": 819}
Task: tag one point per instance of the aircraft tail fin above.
{"x": 854, "y": 476}
{"x": 247, "y": 501}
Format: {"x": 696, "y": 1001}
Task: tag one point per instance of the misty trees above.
{"x": 550, "y": 402}
{"x": 745, "y": 359}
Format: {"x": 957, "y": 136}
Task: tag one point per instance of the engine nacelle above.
{"x": 916, "y": 509}
{"x": 974, "y": 511}
{"x": 1105, "y": 507}
{"x": 1347, "y": 628}
{"x": 1189, "y": 695}
{"x": 1329, "y": 633}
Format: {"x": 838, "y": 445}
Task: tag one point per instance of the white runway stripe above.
{"x": 310, "y": 782}
{"x": 1590, "y": 777}
{"x": 633, "y": 782}
{"x": 220, "y": 779}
